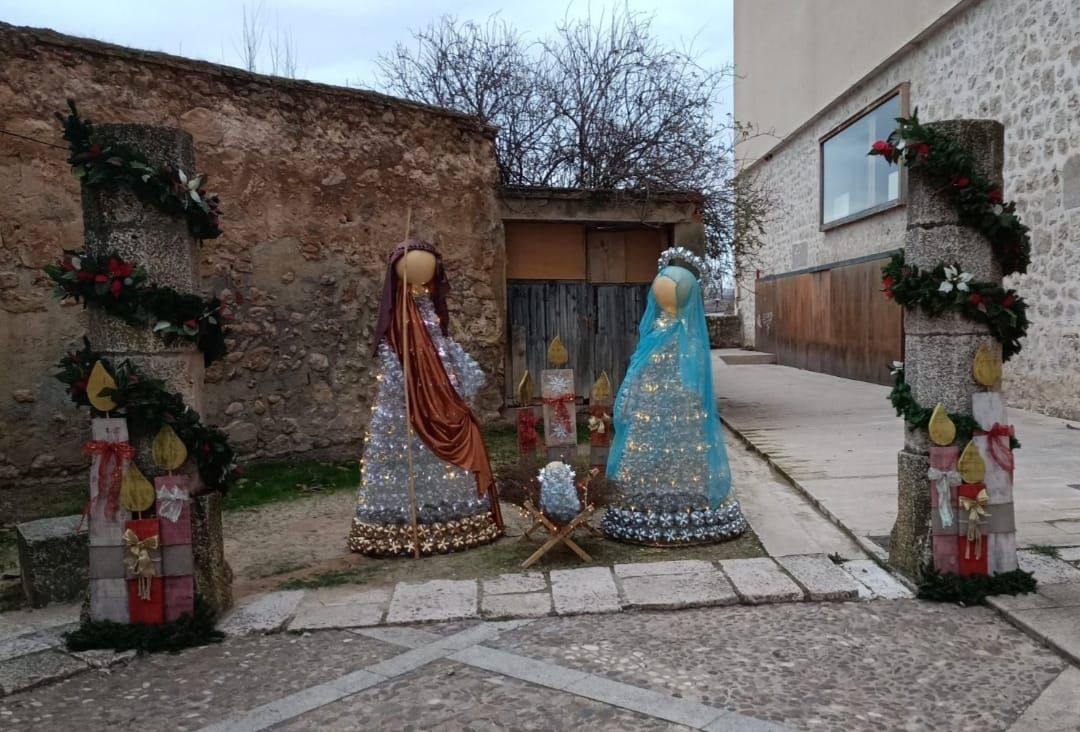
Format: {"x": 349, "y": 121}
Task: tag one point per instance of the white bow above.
{"x": 944, "y": 480}
{"x": 171, "y": 502}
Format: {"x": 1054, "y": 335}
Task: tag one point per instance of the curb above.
{"x": 875, "y": 552}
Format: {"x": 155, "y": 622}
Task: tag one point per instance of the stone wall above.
{"x": 315, "y": 183}
{"x": 1019, "y": 64}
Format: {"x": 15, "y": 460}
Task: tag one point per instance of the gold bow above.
{"x": 138, "y": 561}
{"x": 976, "y": 507}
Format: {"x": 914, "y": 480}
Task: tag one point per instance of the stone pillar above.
{"x": 939, "y": 351}
{"x": 115, "y": 220}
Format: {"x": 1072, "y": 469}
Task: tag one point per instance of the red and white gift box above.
{"x": 177, "y": 558}
{"x": 944, "y": 507}
{"x": 146, "y": 595}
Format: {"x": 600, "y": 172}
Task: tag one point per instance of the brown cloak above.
{"x": 440, "y": 417}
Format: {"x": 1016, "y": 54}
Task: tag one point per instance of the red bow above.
{"x": 999, "y": 443}
{"x": 117, "y": 453}
{"x": 562, "y": 414}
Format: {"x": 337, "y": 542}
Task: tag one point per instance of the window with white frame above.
{"x": 854, "y": 184}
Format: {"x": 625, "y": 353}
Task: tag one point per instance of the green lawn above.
{"x": 288, "y": 480}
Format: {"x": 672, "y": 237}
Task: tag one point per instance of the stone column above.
{"x": 939, "y": 351}
{"x": 115, "y": 220}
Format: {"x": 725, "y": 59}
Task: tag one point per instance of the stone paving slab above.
{"x": 585, "y": 590}
{"x": 433, "y": 600}
{"x": 26, "y": 671}
{"x": 263, "y": 613}
{"x": 645, "y": 569}
{"x": 760, "y": 580}
{"x": 671, "y": 591}
{"x": 517, "y": 605}
{"x": 875, "y": 581}
{"x": 522, "y": 582}
{"x": 1057, "y": 709}
{"x": 1069, "y": 553}
{"x": 1047, "y": 570}
{"x": 340, "y": 608}
{"x": 821, "y": 577}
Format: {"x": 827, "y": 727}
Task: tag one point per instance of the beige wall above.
{"x": 794, "y": 57}
{"x": 314, "y": 182}
{"x": 1018, "y": 63}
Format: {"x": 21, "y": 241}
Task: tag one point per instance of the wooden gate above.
{"x": 833, "y": 320}
{"x": 598, "y": 324}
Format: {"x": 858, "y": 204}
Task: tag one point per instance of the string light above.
{"x": 665, "y": 487}
{"x": 451, "y": 514}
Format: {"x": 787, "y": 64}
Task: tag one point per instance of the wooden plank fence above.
{"x": 597, "y": 323}
{"x": 833, "y": 320}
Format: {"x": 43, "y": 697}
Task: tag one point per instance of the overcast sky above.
{"x": 337, "y": 41}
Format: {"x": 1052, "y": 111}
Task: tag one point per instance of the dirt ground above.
{"x": 302, "y": 543}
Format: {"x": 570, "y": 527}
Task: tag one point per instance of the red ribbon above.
{"x": 999, "y": 443}
{"x": 562, "y": 414}
{"x": 119, "y": 454}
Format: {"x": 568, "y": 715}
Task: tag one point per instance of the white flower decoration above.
{"x": 955, "y": 279}
{"x": 193, "y": 185}
{"x": 896, "y": 367}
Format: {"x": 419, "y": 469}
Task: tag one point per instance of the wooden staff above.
{"x": 405, "y": 376}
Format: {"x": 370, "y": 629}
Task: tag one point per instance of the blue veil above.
{"x": 695, "y": 370}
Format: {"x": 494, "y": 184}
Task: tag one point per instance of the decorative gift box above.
{"x": 142, "y": 560}
{"x": 971, "y": 542}
{"x": 944, "y": 480}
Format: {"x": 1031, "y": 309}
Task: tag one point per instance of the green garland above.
{"x": 149, "y": 404}
{"x": 169, "y": 189}
{"x": 978, "y": 200}
{"x": 918, "y": 416}
{"x": 943, "y": 288}
{"x": 979, "y": 204}
{"x": 187, "y": 631}
{"x": 120, "y": 288}
{"x": 973, "y": 589}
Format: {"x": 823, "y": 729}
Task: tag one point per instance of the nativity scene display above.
{"x": 427, "y": 485}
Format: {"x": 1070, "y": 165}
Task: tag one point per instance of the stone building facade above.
{"x": 1017, "y": 63}
{"x": 315, "y": 183}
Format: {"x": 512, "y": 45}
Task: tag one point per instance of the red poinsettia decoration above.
{"x": 995, "y": 196}
{"x": 887, "y": 284}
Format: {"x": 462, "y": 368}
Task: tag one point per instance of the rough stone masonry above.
{"x": 939, "y": 350}
{"x": 315, "y": 182}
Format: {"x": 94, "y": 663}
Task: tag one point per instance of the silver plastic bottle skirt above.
{"x": 672, "y": 519}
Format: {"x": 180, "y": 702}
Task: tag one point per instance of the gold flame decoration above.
{"x": 136, "y": 492}
{"x": 987, "y": 367}
{"x": 168, "y": 449}
{"x": 100, "y": 379}
{"x": 942, "y": 429}
{"x": 601, "y": 389}
{"x": 557, "y": 354}
{"x": 525, "y": 389}
{"x": 971, "y": 466}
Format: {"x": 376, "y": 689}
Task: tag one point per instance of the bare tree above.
{"x": 600, "y": 103}
{"x": 253, "y": 29}
{"x": 279, "y": 45}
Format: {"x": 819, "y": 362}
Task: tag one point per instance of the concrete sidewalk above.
{"x": 837, "y": 440}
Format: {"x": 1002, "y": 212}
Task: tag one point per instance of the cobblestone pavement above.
{"x": 880, "y": 665}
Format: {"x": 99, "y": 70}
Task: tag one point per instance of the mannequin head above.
{"x": 419, "y": 266}
{"x": 672, "y": 287}
{"x": 665, "y": 290}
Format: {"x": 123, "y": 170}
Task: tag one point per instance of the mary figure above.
{"x": 668, "y": 456}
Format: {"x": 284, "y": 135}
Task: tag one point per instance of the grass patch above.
{"x": 21, "y": 503}
{"x": 1047, "y": 550}
{"x": 289, "y": 480}
{"x": 191, "y": 630}
{"x": 973, "y": 589}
